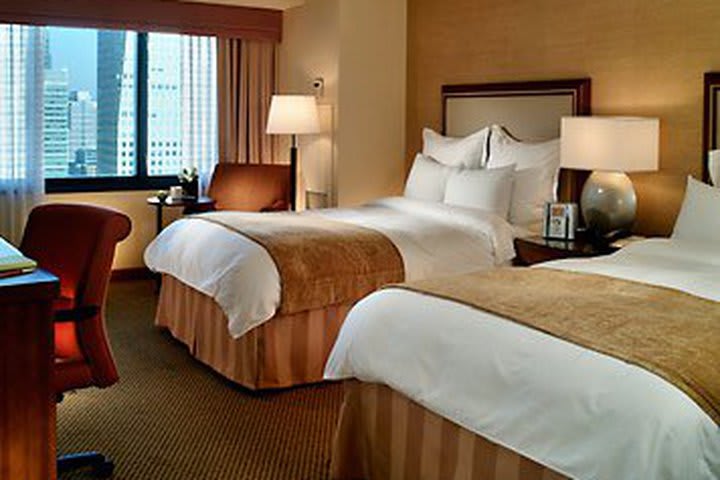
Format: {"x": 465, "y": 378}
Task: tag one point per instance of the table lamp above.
{"x": 293, "y": 115}
{"x": 610, "y": 147}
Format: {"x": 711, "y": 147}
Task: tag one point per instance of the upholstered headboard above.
{"x": 530, "y": 111}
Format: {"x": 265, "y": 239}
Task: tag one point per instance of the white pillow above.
{"x": 714, "y": 167}
{"x": 531, "y": 190}
{"x": 537, "y": 170}
{"x": 699, "y": 217}
{"x": 427, "y": 179}
{"x": 466, "y": 152}
{"x": 489, "y": 190}
{"x": 506, "y": 150}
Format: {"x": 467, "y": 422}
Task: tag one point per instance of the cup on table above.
{"x": 176, "y": 192}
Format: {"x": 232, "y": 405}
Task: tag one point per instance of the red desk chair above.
{"x": 77, "y": 244}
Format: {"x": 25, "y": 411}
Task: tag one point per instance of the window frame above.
{"x": 141, "y": 180}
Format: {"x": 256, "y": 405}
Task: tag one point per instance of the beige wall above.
{"x": 359, "y": 48}
{"x": 129, "y": 253}
{"x": 645, "y": 57}
{"x": 373, "y": 82}
{"x": 311, "y": 49}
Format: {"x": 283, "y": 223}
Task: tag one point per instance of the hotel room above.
{"x": 359, "y": 239}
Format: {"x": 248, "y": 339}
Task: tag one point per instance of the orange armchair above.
{"x": 250, "y": 188}
{"x": 77, "y": 244}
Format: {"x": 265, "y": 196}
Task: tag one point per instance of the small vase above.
{"x": 191, "y": 188}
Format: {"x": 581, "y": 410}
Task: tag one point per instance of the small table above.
{"x": 200, "y": 204}
{"x": 532, "y": 250}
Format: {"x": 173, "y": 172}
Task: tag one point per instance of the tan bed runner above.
{"x": 321, "y": 262}
{"x": 672, "y": 334}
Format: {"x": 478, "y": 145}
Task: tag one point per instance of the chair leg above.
{"x": 101, "y": 465}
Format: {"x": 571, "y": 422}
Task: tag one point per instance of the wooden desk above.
{"x": 27, "y": 400}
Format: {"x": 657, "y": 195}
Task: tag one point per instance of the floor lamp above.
{"x": 293, "y": 115}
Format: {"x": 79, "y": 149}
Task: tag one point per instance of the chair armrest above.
{"x": 76, "y": 314}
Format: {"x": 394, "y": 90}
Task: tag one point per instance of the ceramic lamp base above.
{"x": 608, "y": 202}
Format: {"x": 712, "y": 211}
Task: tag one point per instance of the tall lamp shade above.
{"x": 293, "y": 115}
{"x": 610, "y": 147}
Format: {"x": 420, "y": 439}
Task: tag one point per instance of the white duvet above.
{"x": 581, "y": 413}
{"x": 239, "y": 274}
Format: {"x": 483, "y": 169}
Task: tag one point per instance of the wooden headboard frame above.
{"x": 578, "y": 91}
{"x": 711, "y": 98}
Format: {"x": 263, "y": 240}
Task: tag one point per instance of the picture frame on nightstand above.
{"x": 560, "y": 221}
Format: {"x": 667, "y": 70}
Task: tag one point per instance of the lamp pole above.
{"x": 293, "y": 172}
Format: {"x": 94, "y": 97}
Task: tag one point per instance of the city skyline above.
{"x": 85, "y": 125}
{"x": 87, "y": 105}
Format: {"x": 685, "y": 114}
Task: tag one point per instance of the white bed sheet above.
{"x": 579, "y": 412}
{"x": 239, "y": 274}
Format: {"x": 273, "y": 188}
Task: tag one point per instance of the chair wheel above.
{"x": 104, "y": 469}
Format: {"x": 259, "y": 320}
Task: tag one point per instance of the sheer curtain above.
{"x": 21, "y": 177}
{"x": 200, "y": 109}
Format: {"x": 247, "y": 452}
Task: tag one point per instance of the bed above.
{"x": 443, "y": 390}
{"x": 224, "y": 293}
{"x": 578, "y": 368}
{"x": 221, "y": 291}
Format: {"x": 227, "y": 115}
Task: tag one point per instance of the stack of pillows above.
{"x": 488, "y": 170}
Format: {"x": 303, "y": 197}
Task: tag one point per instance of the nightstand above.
{"x": 194, "y": 205}
{"x": 532, "y": 250}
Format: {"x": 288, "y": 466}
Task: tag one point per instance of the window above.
{"x": 182, "y": 102}
{"x": 125, "y": 110}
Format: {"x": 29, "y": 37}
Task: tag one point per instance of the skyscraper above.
{"x": 116, "y": 74}
{"x": 165, "y": 104}
{"x": 83, "y": 134}
{"x": 56, "y": 133}
{"x": 181, "y": 102}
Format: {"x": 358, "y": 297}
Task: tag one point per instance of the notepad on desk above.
{"x": 12, "y": 262}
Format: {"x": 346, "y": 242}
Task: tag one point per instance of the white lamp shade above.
{"x": 618, "y": 144}
{"x": 293, "y": 115}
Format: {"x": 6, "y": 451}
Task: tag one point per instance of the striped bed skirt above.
{"x": 382, "y": 434}
{"x": 285, "y": 351}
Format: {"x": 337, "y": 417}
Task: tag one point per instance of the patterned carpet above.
{"x": 170, "y": 417}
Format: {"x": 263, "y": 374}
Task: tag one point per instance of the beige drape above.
{"x": 246, "y": 82}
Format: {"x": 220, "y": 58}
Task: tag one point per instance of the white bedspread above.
{"x": 239, "y": 274}
{"x": 581, "y": 413}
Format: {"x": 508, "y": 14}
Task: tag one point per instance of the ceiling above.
{"x": 275, "y": 4}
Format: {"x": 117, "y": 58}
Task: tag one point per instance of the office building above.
{"x": 83, "y": 132}
{"x": 56, "y": 131}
